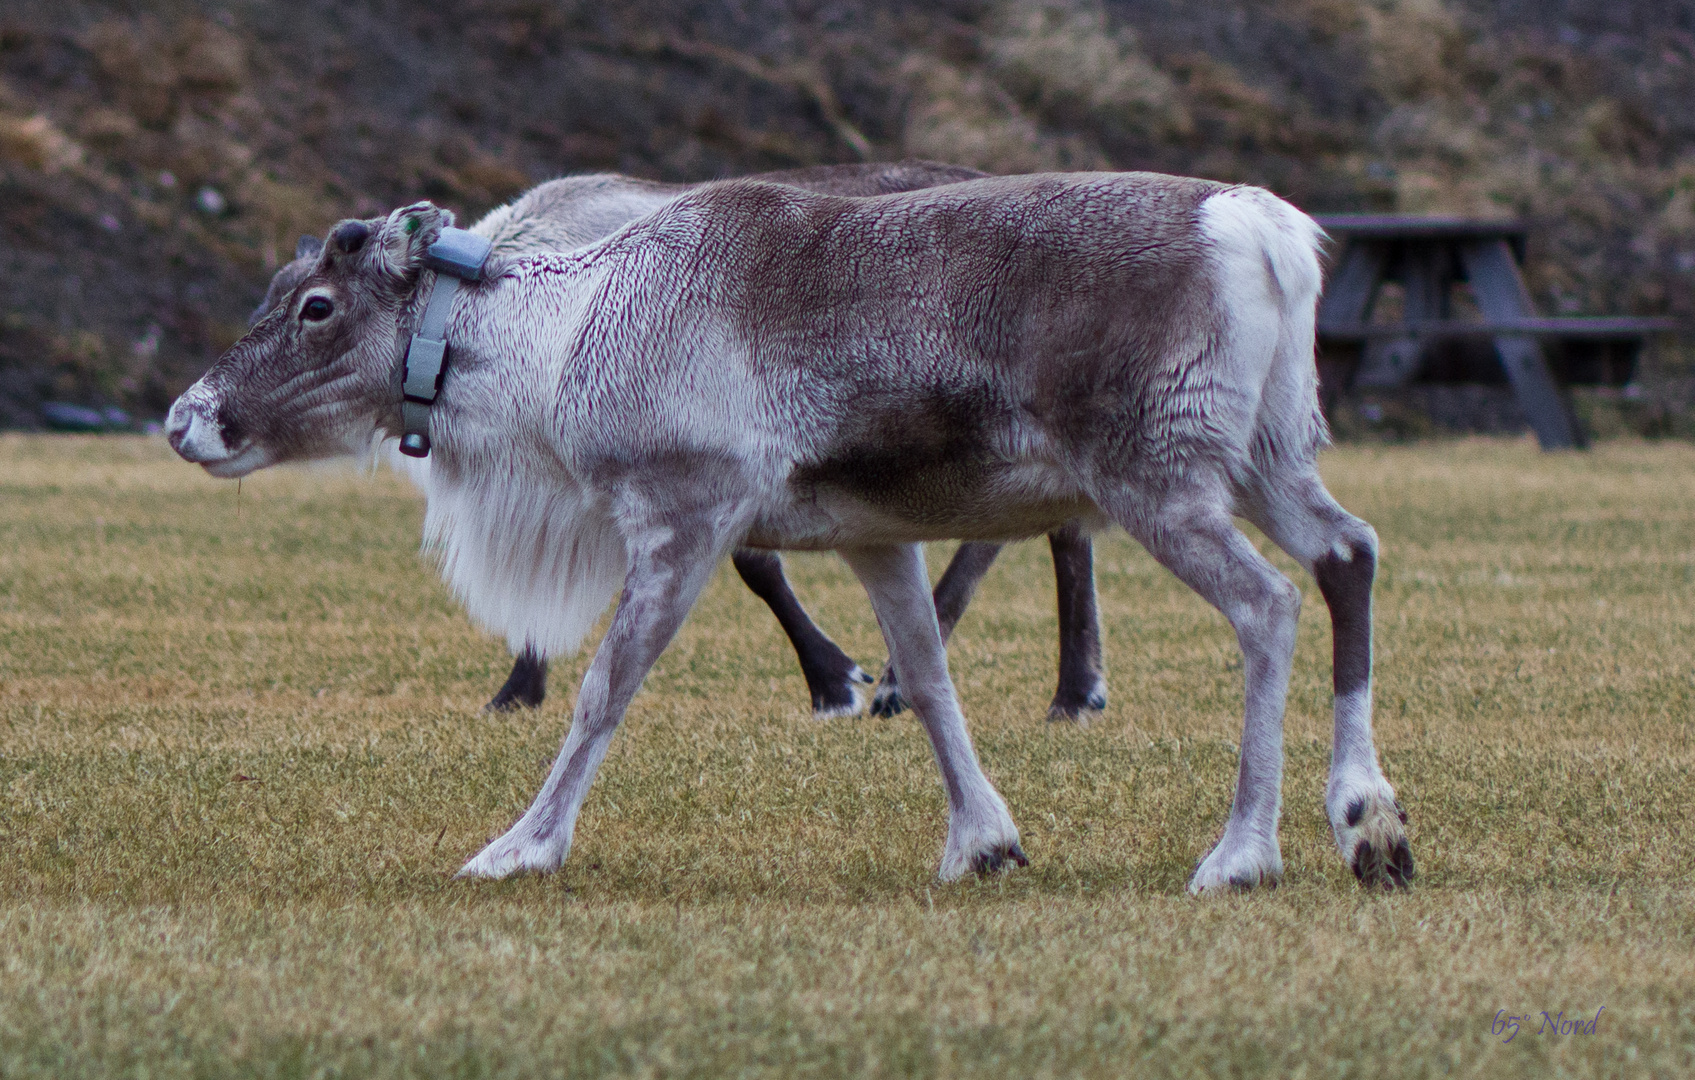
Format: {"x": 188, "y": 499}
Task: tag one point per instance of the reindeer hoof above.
{"x": 1238, "y": 866}
{"x": 842, "y": 696}
{"x": 524, "y": 849}
{"x": 1240, "y": 881}
{"x": 1076, "y": 708}
{"x": 525, "y": 688}
{"x": 493, "y": 865}
{"x": 998, "y": 860}
{"x": 507, "y": 702}
{"x": 1373, "y": 838}
{"x": 887, "y": 702}
{"x": 982, "y": 840}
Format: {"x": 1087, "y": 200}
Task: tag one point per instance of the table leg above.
{"x": 1424, "y": 279}
{"x": 1500, "y": 292}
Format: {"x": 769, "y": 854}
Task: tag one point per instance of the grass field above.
{"x": 240, "y": 757}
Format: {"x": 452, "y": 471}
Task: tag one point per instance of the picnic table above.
{"x": 1427, "y": 257}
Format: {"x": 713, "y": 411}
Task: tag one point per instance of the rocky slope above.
{"x": 157, "y": 160}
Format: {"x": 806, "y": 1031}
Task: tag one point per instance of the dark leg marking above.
{"x": 830, "y": 673}
{"x": 1356, "y": 810}
{"x": 525, "y": 687}
{"x": 1082, "y": 689}
{"x": 952, "y": 596}
{"x": 1346, "y": 585}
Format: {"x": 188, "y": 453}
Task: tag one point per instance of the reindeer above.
{"x": 755, "y": 365}
{"x": 568, "y": 213}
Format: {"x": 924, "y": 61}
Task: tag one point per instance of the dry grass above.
{"x": 240, "y": 754}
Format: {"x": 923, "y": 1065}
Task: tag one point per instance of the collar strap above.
{"x": 457, "y": 256}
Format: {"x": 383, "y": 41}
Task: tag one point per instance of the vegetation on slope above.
{"x": 158, "y": 160}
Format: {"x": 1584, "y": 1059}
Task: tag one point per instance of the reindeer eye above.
{"x": 316, "y": 309}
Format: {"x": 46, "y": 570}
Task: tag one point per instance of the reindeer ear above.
{"x": 348, "y": 238}
{"x": 401, "y": 240}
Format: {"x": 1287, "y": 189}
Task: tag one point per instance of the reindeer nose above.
{"x": 177, "y": 423}
{"x": 194, "y": 436}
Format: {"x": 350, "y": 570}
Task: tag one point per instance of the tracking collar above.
{"x": 458, "y": 255}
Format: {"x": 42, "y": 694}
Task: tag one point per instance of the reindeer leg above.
{"x": 953, "y": 593}
{"x": 1189, "y": 530}
{"x": 981, "y": 835}
{"x": 526, "y": 687}
{"x": 669, "y": 564}
{"x": 831, "y": 675}
{"x": 1341, "y": 552}
{"x": 1082, "y": 687}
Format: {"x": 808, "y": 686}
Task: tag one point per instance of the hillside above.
{"x": 157, "y": 160}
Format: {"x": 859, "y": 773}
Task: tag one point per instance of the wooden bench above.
{"x": 1428, "y": 257}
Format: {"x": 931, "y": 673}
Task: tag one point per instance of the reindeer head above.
{"x": 314, "y": 377}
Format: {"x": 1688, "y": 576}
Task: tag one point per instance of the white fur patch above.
{"x": 538, "y": 563}
{"x": 1266, "y": 257}
{"x": 417, "y": 470}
